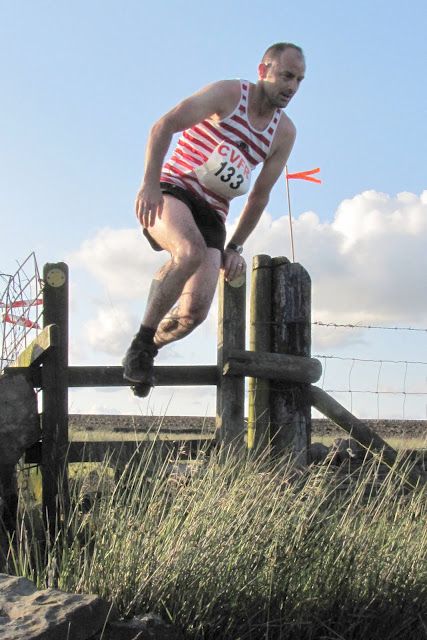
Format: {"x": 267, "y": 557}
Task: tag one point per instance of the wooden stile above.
{"x": 279, "y": 365}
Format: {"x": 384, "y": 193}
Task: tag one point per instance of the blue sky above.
{"x": 82, "y": 82}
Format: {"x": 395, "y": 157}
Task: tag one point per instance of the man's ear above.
{"x": 262, "y": 71}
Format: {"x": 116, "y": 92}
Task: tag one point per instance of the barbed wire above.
{"x": 382, "y": 360}
{"x": 358, "y": 325}
{"x": 336, "y": 325}
{"x": 394, "y": 393}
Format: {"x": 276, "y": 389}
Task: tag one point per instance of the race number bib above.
{"x": 226, "y": 172}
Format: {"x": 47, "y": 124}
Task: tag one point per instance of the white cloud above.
{"x": 367, "y": 265}
{"x": 110, "y": 329}
{"x": 120, "y": 259}
{"x": 162, "y": 401}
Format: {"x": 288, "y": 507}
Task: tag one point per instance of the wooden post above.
{"x": 290, "y": 409}
{"x": 55, "y": 392}
{"x": 259, "y": 340}
{"x": 363, "y": 434}
{"x": 231, "y": 389}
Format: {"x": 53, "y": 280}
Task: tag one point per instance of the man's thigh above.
{"x": 176, "y": 227}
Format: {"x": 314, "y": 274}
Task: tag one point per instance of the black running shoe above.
{"x": 138, "y": 364}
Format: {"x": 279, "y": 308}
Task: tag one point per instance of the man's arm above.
{"x": 259, "y": 195}
{"x": 218, "y": 99}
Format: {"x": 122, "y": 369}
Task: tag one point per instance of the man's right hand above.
{"x": 148, "y": 205}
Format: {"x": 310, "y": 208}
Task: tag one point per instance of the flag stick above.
{"x": 289, "y": 210}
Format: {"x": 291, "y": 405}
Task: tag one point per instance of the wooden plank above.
{"x": 32, "y": 374}
{"x": 359, "y": 431}
{"x": 122, "y": 450}
{"x": 259, "y": 340}
{"x": 54, "y": 418}
{"x": 112, "y": 376}
{"x": 99, "y": 376}
{"x": 231, "y": 389}
{"x": 34, "y": 353}
{"x": 290, "y": 411}
{"x": 273, "y": 366}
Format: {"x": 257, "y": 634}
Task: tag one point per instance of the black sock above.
{"x": 146, "y": 334}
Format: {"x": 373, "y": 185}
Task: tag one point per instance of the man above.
{"x": 228, "y": 128}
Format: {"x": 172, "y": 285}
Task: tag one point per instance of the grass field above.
{"x": 398, "y": 443}
{"x": 248, "y": 550}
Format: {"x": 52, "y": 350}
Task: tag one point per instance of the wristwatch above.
{"x": 238, "y": 248}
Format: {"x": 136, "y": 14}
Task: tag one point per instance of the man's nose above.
{"x": 293, "y": 86}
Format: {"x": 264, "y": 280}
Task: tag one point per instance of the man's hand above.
{"x": 233, "y": 264}
{"x": 149, "y": 205}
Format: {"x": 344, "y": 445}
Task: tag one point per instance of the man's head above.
{"x": 274, "y": 52}
{"x": 281, "y": 72}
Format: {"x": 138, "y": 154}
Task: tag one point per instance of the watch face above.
{"x": 235, "y": 247}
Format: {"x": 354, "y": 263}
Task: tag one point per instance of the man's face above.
{"x": 282, "y": 78}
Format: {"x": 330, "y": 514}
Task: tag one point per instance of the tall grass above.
{"x": 243, "y": 550}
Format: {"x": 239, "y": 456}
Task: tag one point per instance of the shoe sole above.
{"x": 141, "y": 390}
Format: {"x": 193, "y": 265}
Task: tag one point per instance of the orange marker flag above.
{"x": 305, "y": 175}
{"x": 302, "y": 175}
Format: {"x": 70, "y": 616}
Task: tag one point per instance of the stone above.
{"x": 318, "y": 452}
{"x": 345, "y": 449}
{"x": 149, "y": 626}
{"x": 4, "y": 543}
{"x": 19, "y": 420}
{"x": 8, "y": 495}
{"x": 29, "y": 614}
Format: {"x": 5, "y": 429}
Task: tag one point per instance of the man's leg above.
{"x": 176, "y": 232}
{"x": 194, "y": 302}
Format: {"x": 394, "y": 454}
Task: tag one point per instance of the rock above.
{"x": 345, "y": 449}
{"x": 29, "y": 614}
{"x": 318, "y": 452}
{"x": 4, "y": 543}
{"x": 19, "y": 421}
{"x": 8, "y": 495}
{"x": 149, "y": 626}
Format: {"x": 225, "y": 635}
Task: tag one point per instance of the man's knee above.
{"x": 190, "y": 255}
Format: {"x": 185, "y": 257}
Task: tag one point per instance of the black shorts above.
{"x": 208, "y": 221}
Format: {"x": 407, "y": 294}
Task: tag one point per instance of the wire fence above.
{"x": 20, "y": 308}
{"x": 377, "y": 387}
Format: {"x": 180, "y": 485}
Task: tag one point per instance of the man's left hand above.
{"x": 233, "y": 264}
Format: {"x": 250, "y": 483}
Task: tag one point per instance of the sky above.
{"x": 83, "y": 82}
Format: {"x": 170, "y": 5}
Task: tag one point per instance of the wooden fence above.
{"x": 281, "y": 372}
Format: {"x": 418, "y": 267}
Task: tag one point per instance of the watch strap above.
{"x": 238, "y": 248}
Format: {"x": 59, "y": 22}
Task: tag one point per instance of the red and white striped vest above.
{"x": 197, "y": 144}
